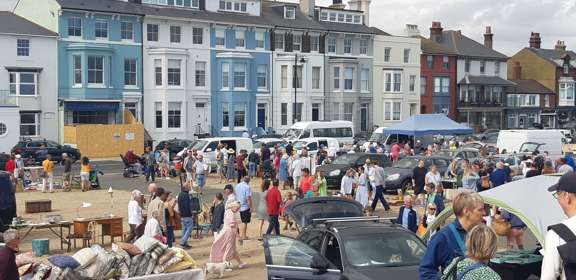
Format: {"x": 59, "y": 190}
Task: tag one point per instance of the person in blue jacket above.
{"x": 433, "y": 197}
{"x": 407, "y": 216}
{"x": 448, "y": 243}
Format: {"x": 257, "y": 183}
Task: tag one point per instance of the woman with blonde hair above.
{"x": 224, "y": 246}
{"x": 470, "y": 178}
{"x": 481, "y": 244}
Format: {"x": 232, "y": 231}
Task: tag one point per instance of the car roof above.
{"x": 360, "y": 227}
{"x": 430, "y": 157}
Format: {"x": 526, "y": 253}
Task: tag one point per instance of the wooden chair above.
{"x": 85, "y": 231}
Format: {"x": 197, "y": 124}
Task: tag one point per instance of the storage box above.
{"x": 37, "y": 206}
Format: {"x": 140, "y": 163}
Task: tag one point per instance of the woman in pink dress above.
{"x": 224, "y": 246}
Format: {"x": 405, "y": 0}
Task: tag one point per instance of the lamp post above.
{"x": 295, "y": 84}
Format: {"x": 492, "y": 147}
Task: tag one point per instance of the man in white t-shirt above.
{"x": 565, "y": 193}
{"x": 433, "y": 176}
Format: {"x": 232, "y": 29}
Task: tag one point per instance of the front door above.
{"x": 262, "y": 115}
{"x": 201, "y": 119}
{"x": 364, "y": 117}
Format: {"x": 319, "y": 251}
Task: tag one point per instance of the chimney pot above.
{"x": 307, "y": 7}
{"x": 488, "y": 37}
{"x": 412, "y": 30}
{"x": 337, "y": 4}
{"x": 535, "y": 40}
{"x": 436, "y": 31}
{"x": 560, "y": 46}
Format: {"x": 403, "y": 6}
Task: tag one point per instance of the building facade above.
{"x": 396, "y": 76}
{"x": 553, "y": 69}
{"x": 28, "y": 81}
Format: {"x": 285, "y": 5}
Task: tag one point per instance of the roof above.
{"x": 346, "y": 27}
{"x": 378, "y": 31}
{"x": 552, "y": 54}
{"x": 484, "y": 80}
{"x": 273, "y": 14}
{"x": 464, "y": 46}
{"x": 428, "y": 124}
{"x": 111, "y": 6}
{"x": 431, "y": 47}
{"x": 529, "y": 87}
{"x": 14, "y": 24}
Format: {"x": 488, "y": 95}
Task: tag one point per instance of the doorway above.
{"x": 364, "y": 117}
{"x": 200, "y": 119}
{"x": 262, "y": 115}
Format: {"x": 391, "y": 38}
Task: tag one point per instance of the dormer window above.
{"x": 566, "y": 68}
{"x": 357, "y": 19}
{"x": 233, "y": 6}
{"x": 289, "y": 12}
{"x": 348, "y": 17}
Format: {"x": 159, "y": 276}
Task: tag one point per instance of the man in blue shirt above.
{"x": 185, "y": 215}
{"x": 244, "y": 196}
{"x": 407, "y": 216}
{"x": 499, "y": 175}
{"x": 448, "y": 243}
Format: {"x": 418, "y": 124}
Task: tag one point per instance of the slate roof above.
{"x": 464, "y": 46}
{"x": 484, "y": 80}
{"x": 111, "y": 6}
{"x": 14, "y": 24}
{"x": 378, "y": 31}
{"x": 273, "y": 14}
{"x": 553, "y": 54}
{"x": 431, "y": 47}
{"x": 529, "y": 87}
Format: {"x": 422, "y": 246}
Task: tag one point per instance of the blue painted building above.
{"x": 241, "y": 63}
{"x": 99, "y": 65}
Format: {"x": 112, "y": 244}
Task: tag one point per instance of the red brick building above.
{"x": 438, "y": 93}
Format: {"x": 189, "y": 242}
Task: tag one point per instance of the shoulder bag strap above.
{"x": 564, "y": 232}
{"x": 458, "y": 238}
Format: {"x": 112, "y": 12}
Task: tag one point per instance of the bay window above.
{"x": 240, "y": 75}
{"x": 23, "y": 83}
{"x": 96, "y": 70}
{"x": 174, "y": 72}
{"x": 239, "y": 115}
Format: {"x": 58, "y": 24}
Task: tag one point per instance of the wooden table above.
{"x": 111, "y": 226}
{"x": 51, "y": 227}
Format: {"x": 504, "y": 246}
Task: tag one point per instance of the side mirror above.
{"x": 320, "y": 265}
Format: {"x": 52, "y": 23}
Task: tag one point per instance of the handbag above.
{"x": 501, "y": 226}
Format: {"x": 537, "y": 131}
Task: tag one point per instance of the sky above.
{"x": 511, "y": 20}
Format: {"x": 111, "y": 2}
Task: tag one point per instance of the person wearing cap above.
{"x": 565, "y": 192}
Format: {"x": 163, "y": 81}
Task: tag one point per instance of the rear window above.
{"x": 385, "y": 249}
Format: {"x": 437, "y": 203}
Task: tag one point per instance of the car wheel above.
{"x": 407, "y": 185}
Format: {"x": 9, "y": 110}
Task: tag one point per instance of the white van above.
{"x": 343, "y": 131}
{"x": 314, "y": 144}
{"x": 207, "y": 146}
{"x": 550, "y": 140}
{"x": 378, "y": 136}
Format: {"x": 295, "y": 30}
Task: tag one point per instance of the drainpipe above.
{"x": 142, "y": 72}
{"x": 272, "y": 53}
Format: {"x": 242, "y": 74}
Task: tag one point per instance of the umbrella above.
{"x": 528, "y": 199}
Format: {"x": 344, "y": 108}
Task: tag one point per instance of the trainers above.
{"x": 186, "y": 246}
{"x": 242, "y": 265}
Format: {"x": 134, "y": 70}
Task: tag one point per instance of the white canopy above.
{"x": 528, "y": 199}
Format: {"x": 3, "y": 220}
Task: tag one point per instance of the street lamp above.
{"x": 295, "y": 83}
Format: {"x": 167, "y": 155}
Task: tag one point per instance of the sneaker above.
{"x": 242, "y": 265}
{"x": 186, "y": 246}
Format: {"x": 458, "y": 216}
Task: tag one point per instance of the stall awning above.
{"x": 92, "y": 106}
{"x": 428, "y": 124}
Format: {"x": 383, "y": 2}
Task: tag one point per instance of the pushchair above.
{"x": 94, "y": 180}
{"x": 268, "y": 171}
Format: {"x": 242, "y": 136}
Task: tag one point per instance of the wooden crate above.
{"x": 37, "y": 206}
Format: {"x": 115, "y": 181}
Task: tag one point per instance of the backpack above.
{"x": 567, "y": 251}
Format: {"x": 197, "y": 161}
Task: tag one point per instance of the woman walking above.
{"x": 135, "y": 216}
{"x": 362, "y": 190}
{"x": 85, "y": 168}
{"x": 164, "y": 164}
{"x": 262, "y": 207}
{"x": 283, "y": 170}
{"x": 230, "y": 169}
{"x": 224, "y": 246}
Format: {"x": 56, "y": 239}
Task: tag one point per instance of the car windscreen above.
{"x": 199, "y": 145}
{"x": 406, "y": 163}
{"x": 377, "y": 137}
{"x": 298, "y": 145}
{"x": 388, "y": 249}
{"x": 293, "y": 133}
{"x": 346, "y": 159}
{"x": 529, "y": 147}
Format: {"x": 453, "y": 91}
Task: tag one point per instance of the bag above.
{"x": 501, "y": 227}
{"x": 567, "y": 251}
{"x": 195, "y": 206}
{"x": 453, "y": 274}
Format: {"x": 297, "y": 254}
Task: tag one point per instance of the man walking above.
{"x": 186, "y": 215}
{"x": 150, "y": 168}
{"x": 48, "y": 176}
{"x": 244, "y": 196}
{"x": 200, "y": 168}
{"x": 67, "y": 162}
{"x": 376, "y": 177}
{"x": 273, "y": 201}
{"x": 560, "y": 238}
{"x": 189, "y": 166}
{"x": 419, "y": 177}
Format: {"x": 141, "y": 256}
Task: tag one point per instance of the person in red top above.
{"x": 241, "y": 165}
{"x": 395, "y": 152}
{"x": 273, "y": 202}
{"x": 306, "y": 183}
{"x": 10, "y": 165}
{"x": 8, "y": 268}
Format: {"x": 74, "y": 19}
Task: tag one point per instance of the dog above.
{"x": 216, "y": 268}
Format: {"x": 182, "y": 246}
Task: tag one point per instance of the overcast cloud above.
{"x": 511, "y": 20}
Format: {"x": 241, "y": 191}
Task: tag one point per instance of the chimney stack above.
{"x": 361, "y": 5}
{"x": 436, "y": 31}
{"x": 488, "y": 37}
{"x": 560, "y": 46}
{"x": 337, "y": 4}
{"x": 517, "y": 71}
{"x": 412, "y": 30}
{"x": 307, "y": 7}
{"x": 535, "y": 40}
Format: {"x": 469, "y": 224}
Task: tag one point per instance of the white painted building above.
{"x": 28, "y": 80}
{"x": 396, "y": 75}
{"x": 176, "y": 78}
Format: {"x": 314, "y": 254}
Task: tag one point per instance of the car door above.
{"x": 55, "y": 150}
{"x": 291, "y": 259}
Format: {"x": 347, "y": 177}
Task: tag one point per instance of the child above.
{"x": 429, "y": 216}
{"x": 289, "y": 200}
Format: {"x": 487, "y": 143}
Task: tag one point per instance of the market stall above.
{"x": 529, "y": 200}
{"x": 428, "y": 124}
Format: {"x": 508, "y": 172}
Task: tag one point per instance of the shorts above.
{"x": 85, "y": 176}
{"x": 245, "y": 216}
{"x": 201, "y": 180}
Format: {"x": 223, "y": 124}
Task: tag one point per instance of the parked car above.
{"x": 337, "y": 169}
{"x": 464, "y": 153}
{"x": 399, "y": 176}
{"x": 174, "y": 146}
{"x": 490, "y": 148}
{"x": 336, "y": 242}
{"x": 270, "y": 143}
{"x": 37, "y": 150}
{"x": 489, "y": 136}
{"x": 207, "y": 146}
{"x": 343, "y": 131}
{"x": 3, "y": 160}
{"x": 314, "y": 144}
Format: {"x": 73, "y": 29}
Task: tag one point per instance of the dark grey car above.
{"x": 399, "y": 176}
{"x": 337, "y": 242}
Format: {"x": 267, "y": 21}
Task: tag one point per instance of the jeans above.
{"x": 380, "y": 196}
{"x": 169, "y": 236}
{"x": 150, "y": 171}
{"x": 201, "y": 180}
{"x": 241, "y": 174}
{"x": 273, "y": 224}
{"x": 252, "y": 166}
{"x": 187, "y": 225}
